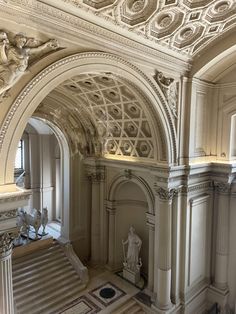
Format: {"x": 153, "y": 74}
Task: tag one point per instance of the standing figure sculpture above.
{"x": 14, "y": 58}
{"x": 132, "y": 260}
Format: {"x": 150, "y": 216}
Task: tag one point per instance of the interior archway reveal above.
{"x": 123, "y": 116}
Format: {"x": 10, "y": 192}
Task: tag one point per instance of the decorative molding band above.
{"x": 8, "y": 214}
{"x": 4, "y": 198}
{"x": 166, "y": 195}
{"x": 196, "y": 187}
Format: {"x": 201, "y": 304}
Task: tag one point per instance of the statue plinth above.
{"x": 131, "y": 276}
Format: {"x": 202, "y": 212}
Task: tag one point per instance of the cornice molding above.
{"x": 49, "y": 15}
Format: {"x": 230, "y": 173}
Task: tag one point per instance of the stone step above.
{"x": 44, "y": 281}
{"x": 23, "y": 279}
{"x": 33, "y": 287}
{"x": 38, "y": 255}
{"x": 41, "y": 262}
{"x": 48, "y": 290}
{"x": 46, "y": 304}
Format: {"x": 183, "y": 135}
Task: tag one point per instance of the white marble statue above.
{"x": 132, "y": 260}
{"x": 44, "y": 219}
{"x": 25, "y": 220}
{"x": 14, "y": 58}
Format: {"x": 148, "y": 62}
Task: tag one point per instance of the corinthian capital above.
{"x": 166, "y": 194}
{"x": 222, "y": 187}
{"x": 5, "y": 243}
{"x": 96, "y": 174}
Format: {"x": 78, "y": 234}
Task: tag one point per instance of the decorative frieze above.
{"x": 8, "y": 214}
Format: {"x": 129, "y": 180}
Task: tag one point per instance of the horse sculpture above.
{"x": 34, "y": 219}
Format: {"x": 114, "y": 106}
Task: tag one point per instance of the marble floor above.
{"x": 90, "y": 301}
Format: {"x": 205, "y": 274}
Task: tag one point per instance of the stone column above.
{"x": 96, "y": 176}
{"x": 112, "y": 235}
{"x": 222, "y": 236}
{"x": 6, "y": 290}
{"x": 151, "y": 231}
{"x": 164, "y": 212}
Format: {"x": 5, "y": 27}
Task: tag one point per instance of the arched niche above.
{"x": 131, "y": 203}
{"x": 47, "y": 80}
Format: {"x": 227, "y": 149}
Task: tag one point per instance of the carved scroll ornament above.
{"x": 14, "y": 57}
{"x": 169, "y": 89}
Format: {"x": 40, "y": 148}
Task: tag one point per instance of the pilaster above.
{"x": 6, "y": 290}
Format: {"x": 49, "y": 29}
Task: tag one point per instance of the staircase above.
{"x": 45, "y": 280}
{"x": 129, "y": 307}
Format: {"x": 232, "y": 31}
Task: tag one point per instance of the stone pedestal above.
{"x": 6, "y": 290}
{"x": 131, "y": 276}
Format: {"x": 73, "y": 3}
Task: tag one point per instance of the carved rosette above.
{"x": 96, "y": 174}
{"x": 222, "y": 187}
{"x": 5, "y": 244}
{"x": 166, "y": 194}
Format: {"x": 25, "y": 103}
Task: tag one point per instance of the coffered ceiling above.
{"x": 185, "y": 26}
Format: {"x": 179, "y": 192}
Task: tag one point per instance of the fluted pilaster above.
{"x": 6, "y": 290}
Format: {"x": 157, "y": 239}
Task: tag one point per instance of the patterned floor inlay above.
{"x": 82, "y": 305}
{"x": 105, "y": 298}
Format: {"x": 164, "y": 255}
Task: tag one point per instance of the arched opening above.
{"x": 142, "y": 90}
{"x": 43, "y": 154}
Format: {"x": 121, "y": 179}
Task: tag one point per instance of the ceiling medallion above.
{"x": 136, "y": 6}
{"x": 222, "y": 6}
{"x": 165, "y": 20}
{"x": 187, "y": 33}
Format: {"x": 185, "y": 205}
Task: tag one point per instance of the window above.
{"x": 19, "y": 161}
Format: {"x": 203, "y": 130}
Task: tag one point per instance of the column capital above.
{"x": 165, "y": 194}
{"x": 95, "y": 173}
{"x": 5, "y": 244}
{"x": 222, "y": 187}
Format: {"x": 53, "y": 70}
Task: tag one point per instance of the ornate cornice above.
{"x": 6, "y": 244}
{"x": 165, "y": 194}
{"x": 47, "y": 13}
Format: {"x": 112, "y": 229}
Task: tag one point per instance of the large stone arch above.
{"x": 48, "y": 79}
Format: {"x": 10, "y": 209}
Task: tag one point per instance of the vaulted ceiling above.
{"x": 101, "y": 109}
{"x": 185, "y": 26}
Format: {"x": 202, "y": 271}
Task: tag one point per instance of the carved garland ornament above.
{"x": 6, "y": 243}
{"x": 43, "y": 74}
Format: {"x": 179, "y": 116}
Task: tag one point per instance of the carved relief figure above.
{"x": 14, "y": 58}
{"x": 134, "y": 242}
{"x": 169, "y": 89}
